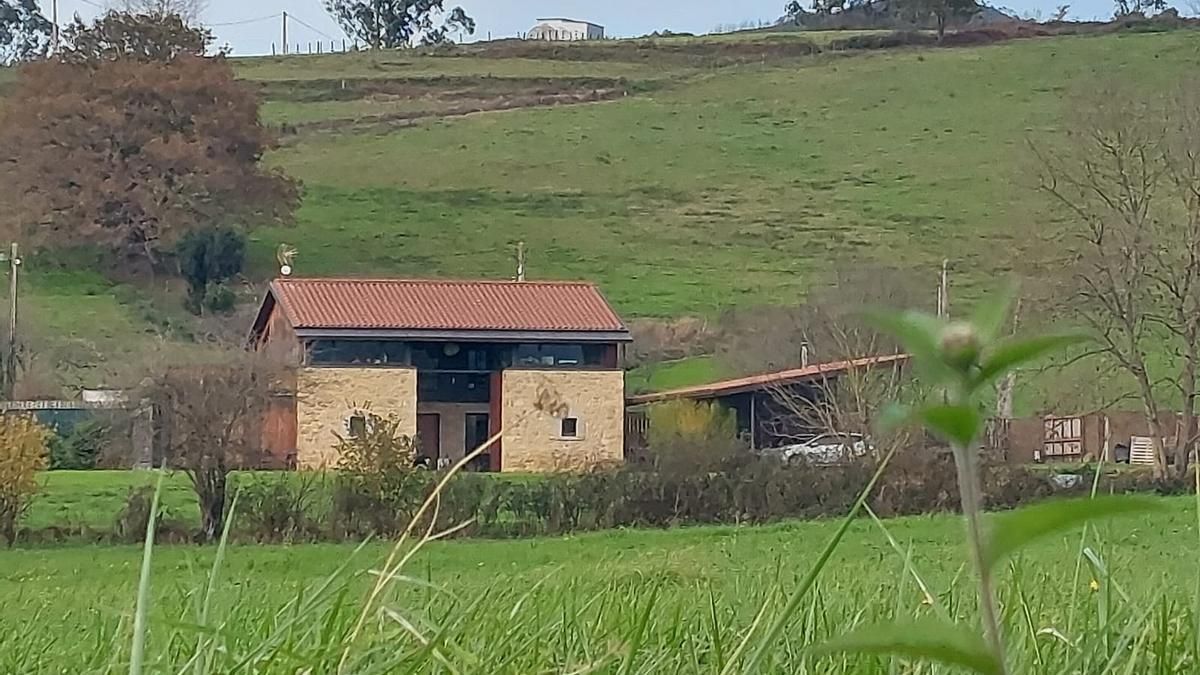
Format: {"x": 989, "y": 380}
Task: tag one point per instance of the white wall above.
{"x": 556, "y": 29}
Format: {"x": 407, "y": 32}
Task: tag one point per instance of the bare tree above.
{"x": 1128, "y": 176}
{"x": 210, "y": 415}
{"x": 189, "y": 10}
{"x": 847, "y": 401}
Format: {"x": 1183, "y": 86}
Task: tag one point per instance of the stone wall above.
{"x": 326, "y": 396}
{"x": 533, "y": 441}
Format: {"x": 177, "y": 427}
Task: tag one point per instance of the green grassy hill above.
{"x": 684, "y": 177}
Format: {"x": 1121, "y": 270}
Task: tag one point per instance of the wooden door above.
{"x": 279, "y": 433}
{"x": 1062, "y": 438}
{"x": 429, "y": 434}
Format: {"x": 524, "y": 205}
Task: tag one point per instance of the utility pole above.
{"x": 943, "y": 296}
{"x": 54, "y": 36}
{"x": 10, "y": 364}
{"x": 285, "y": 42}
{"x": 520, "y": 261}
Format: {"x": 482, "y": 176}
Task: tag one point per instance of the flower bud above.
{"x": 960, "y": 345}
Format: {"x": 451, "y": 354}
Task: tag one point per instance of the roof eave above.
{"x": 438, "y": 335}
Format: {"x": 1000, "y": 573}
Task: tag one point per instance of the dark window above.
{"x": 357, "y": 353}
{"x": 558, "y": 355}
{"x": 357, "y": 426}
{"x": 477, "y": 432}
{"x": 453, "y": 387}
{"x": 570, "y": 427}
{"x": 454, "y": 356}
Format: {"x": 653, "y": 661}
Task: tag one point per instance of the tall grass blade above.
{"x": 137, "y": 652}
{"x": 793, "y": 602}
{"x": 201, "y": 664}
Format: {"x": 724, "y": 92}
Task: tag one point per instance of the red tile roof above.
{"x": 405, "y": 304}
{"x": 756, "y": 382}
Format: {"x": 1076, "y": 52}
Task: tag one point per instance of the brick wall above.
{"x": 533, "y": 442}
{"x": 325, "y": 396}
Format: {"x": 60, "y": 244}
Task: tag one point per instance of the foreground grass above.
{"x": 637, "y": 601}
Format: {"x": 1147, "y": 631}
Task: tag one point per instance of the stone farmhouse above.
{"x": 456, "y": 361}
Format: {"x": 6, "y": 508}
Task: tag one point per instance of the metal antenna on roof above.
{"x": 285, "y": 254}
{"x": 520, "y": 261}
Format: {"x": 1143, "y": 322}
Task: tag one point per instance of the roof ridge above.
{"x": 405, "y": 280}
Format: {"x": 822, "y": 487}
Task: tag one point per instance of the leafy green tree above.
{"x": 24, "y": 32}
{"x": 1135, "y": 8}
{"x": 208, "y": 257}
{"x": 391, "y": 24}
{"x": 942, "y": 12}
{"x": 793, "y": 13}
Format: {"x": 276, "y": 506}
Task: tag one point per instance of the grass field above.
{"x": 718, "y": 180}
{"x": 762, "y": 176}
{"x": 636, "y": 601}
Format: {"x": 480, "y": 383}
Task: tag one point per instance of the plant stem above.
{"x": 970, "y": 494}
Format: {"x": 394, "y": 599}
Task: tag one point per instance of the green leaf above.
{"x": 959, "y": 424}
{"x": 930, "y": 640}
{"x": 1008, "y": 354}
{"x": 991, "y": 313}
{"x": 1011, "y": 531}
{"x": 892, "y": 417}
{"x": 920, "y": 335}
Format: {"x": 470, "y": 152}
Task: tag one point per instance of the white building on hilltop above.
{"x": 566, "y": 29}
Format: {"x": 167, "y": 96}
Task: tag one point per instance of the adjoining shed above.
{"x": 754, "y": 399}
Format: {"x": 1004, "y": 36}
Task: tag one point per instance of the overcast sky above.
{"x": 506, "y": 17}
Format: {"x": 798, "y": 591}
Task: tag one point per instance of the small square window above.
{"x": 357, "y": 426}
{"x": 570, "y": 427}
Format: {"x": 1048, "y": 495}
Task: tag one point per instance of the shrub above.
{"x": 278, "y": 508}
{"x": 219, "y": 298}
{"x": 883, "y": 41}
{"x": 22, "y": 455}
{"x": 206, "y": 258}
{"x": 134, "y": 517}
{"x": 378, "y": 488}
{"x": 689, "y": 437}
{"x": 81, "y": 447}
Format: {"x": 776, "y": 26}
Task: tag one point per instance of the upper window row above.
{"x": 450, "y": 356}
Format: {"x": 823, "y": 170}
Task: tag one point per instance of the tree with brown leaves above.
{"x": 133, "y": 140}
{"x": 139, "y": 37}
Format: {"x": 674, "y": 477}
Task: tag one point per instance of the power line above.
{"x": 309, "y": 26}
{"x": 243, "y": 21}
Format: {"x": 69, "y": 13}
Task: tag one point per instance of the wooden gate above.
{"x": 1062, "y": 438}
